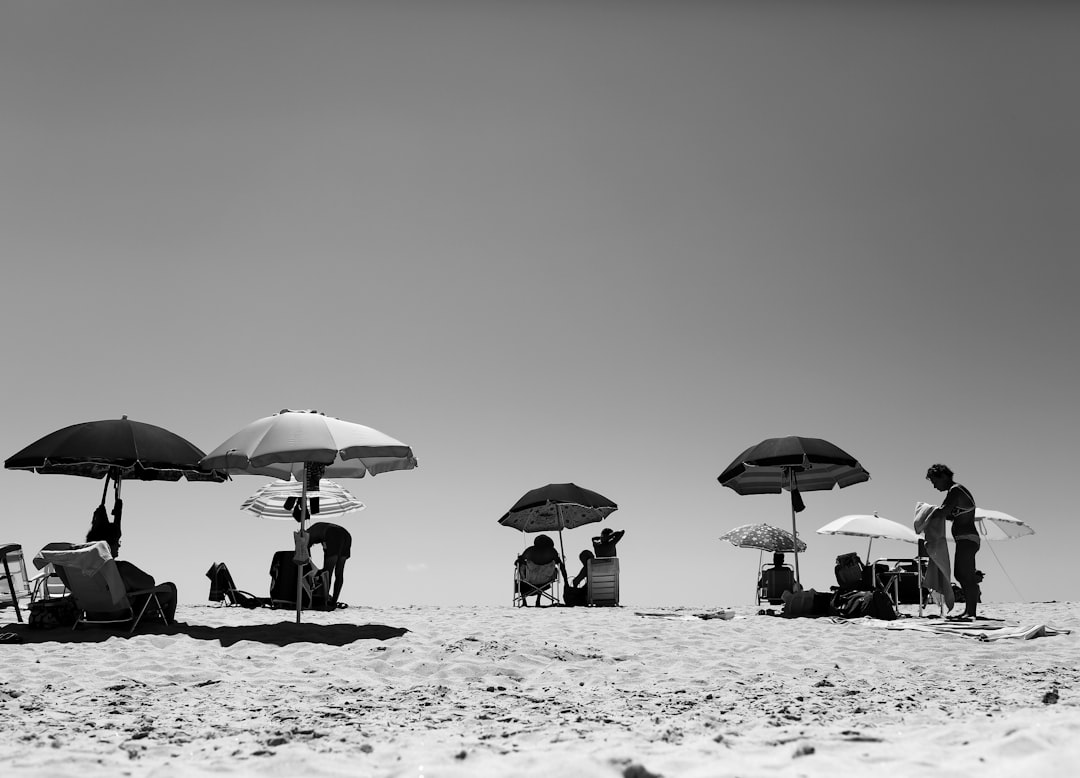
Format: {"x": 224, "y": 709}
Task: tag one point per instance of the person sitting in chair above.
{"x": 577, "y": 592}
{"x": 134, "y": 578}
{"x": 604, "y": 544}
{"x": 777, "y": 579}
{"x": 541, "y": 554}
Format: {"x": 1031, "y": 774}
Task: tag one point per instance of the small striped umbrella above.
{"x": 276, "y": 500}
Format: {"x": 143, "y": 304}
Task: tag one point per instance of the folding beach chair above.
{"x": 773, "y": 581}
{"x": 223, "y": 589}
{"x": 47, "y": 583}
{"x": 283, "y": 583}
{"x": 98, "y": 590}
{"x": 603, "y": 586}
{"x": 533, "y": 580}
{"x": 13, "y": 580}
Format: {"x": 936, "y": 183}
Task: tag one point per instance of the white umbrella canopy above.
{"x": 281, "y": 445}
{"x": 870, "y": 526}
{"x": 275, "y": 500}
{"x": 995, "y": 525}
{"x": 308, "y": 445}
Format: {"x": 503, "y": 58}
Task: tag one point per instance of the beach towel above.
{"x": 938, "y": 577}
{"x": 87, "y": 559}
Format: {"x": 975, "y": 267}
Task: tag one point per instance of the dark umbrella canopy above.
{"x": 796, "y": 464}
{"x": 815, "y": 464}
{"x": 557, "y": 507}
{"x": 120, "y": 448}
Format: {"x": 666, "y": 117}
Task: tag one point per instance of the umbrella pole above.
{"x": 300, "y": 565}
{"x": 794, "y": 531}
{"x": 558, "y": 518}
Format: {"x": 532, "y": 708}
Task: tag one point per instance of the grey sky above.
{"x": 613, "y": 243}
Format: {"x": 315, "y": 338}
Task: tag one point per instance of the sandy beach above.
{"x": 491, "y": 691}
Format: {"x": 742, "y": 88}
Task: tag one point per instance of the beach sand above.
{"x": 497, "y": 691}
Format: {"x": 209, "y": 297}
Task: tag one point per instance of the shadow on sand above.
{"x": 283, "y": 633}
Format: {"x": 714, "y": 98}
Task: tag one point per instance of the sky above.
{"x": 608, "y": 243}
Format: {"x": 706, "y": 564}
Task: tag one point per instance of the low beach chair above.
{"x": 533, "y": 580}
{"x": 773, "y": 581}
{"x": 223, "y": 589}
{"x": 603, "y": 586}
{"x": 283, "y": 584}
{"x": 14, "y": 582}
{"x": 47, "y": 584}
{"x": 98, "y": 590}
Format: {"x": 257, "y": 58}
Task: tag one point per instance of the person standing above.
{"x": 959, "y": 508}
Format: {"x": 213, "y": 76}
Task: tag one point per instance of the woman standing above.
{"x": 959, "y": 508}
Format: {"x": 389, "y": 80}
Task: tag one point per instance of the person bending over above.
{"x": 337, "y": 548}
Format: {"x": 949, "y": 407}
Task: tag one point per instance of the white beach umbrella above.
{"x": 869, "y": 526}
{"x": 308, "y": 445}
{"x": 995, "y": 525}
{"x": 276, "y": 500}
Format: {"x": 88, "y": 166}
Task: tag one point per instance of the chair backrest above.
{"x": 849, "y": 571}
{"x": 92, "y": 577}
{"x": 14, "y": 582}
{"x": 777, "y": 580}
{"x": 538, "y": 575}
{"x": 603, "y": 585}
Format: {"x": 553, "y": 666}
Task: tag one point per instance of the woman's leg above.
{"x": 964, "y": 569}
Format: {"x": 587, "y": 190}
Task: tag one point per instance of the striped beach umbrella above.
{"x": 795, "y": 464}
{"x": 276, "y": 500}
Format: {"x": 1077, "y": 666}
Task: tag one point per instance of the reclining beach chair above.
{"x": 13, "y": 580}
{"x": 98, "y": 590}
{"x": 533, "y": 580}
{"x": 603, "y": 582}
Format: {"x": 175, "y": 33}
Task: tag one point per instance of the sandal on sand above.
{"x": 958, "y": 618}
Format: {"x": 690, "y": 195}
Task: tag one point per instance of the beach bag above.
{"x": 849, "y": 571}
{"x": 797, "y": 604}
{"x": 53, "y": 613}
{"x": 881, "y": 606}
{"x": 852, "y": 604}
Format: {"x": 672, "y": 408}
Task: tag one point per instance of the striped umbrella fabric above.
{"x": 763, "y": 537}
{"x": 268, "y": 502}
{"x": 769, "y": 467}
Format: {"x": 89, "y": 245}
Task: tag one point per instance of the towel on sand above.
{"x": 938, "y": 576}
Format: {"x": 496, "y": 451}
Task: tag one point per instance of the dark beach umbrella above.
{"x": 120, "y": 449}
{"x": 556, "y": 507}
{"x": 796, "y": 464}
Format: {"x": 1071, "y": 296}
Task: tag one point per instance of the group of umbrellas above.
{"x": 811, "y": 464}
{"x": 298, "y": 447}
{"x": 305, "y": 448}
